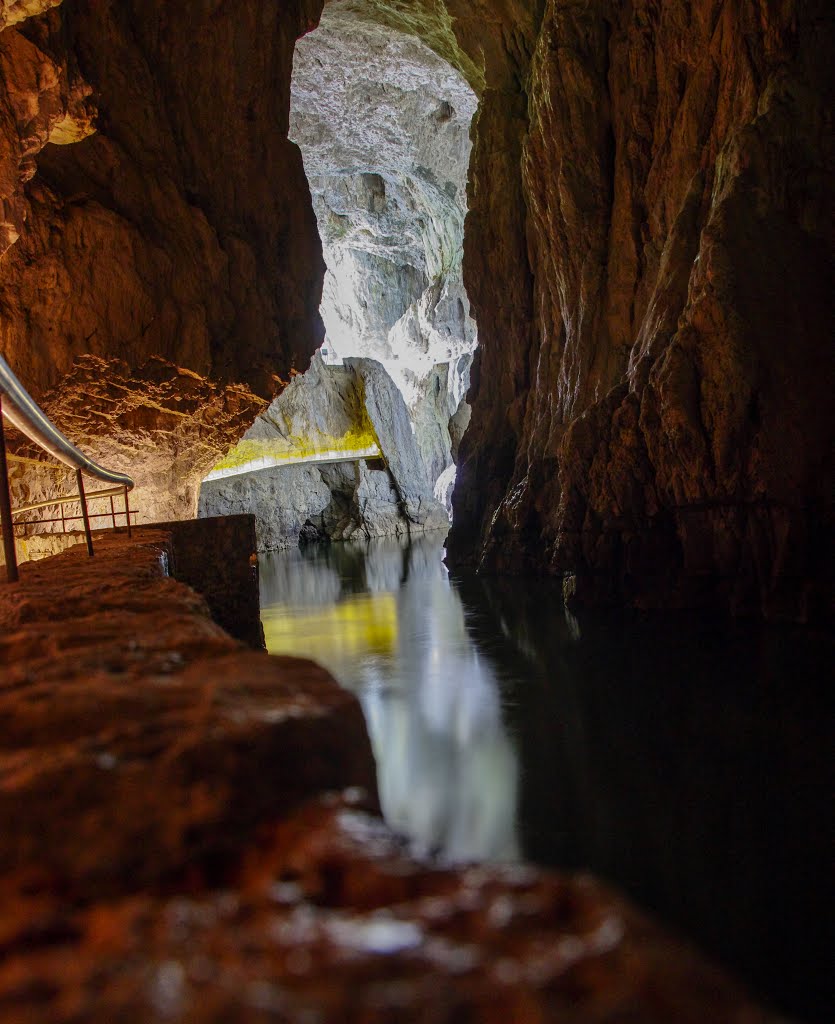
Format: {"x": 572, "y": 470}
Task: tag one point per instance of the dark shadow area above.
{"x": 685, "y": 760}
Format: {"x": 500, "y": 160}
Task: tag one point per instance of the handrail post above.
{"x": 112, "y": 511}
{"x": 127, "y": 511}
{"x": 84, "y": 514}
{"x": 12, "y": 574}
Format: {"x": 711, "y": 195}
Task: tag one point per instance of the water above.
{"x": 685, "y": 760}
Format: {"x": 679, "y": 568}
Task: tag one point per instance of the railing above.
{"x": 18, "y": 406}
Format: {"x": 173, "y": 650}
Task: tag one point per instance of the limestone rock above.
{"x": 383, "y": 125}
{"x": 646, "y": 251}
{"x": 282, "y": 501}
{"x": 175, "y": 844}
{"x": 318, "y": 410}
{"x": 440, "y": 417}
{"x": 390, "y": 420}
{"x": 116, "y": 687}
{"x": 307, "y": 931}
{"x": 44, "y": 100}
{"x": 172, "y": 231}
{"x": 13, "y": 11}
{"x": 306, "y": 502}
{"x": 162, "y": 425}
{"x": 431, "y": 417}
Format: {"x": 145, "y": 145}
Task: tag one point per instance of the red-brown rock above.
{"x": 651, "y": 409}
{"x": 139, "y": 738}
{"x": 330, "y": 920}
{"x": 163, "y": 425}
{"x": 172, "y": 848}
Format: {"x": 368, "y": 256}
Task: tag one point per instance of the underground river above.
{"x": 683, "y": 759}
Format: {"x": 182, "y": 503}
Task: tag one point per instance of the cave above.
{"x": 416, "y": 485}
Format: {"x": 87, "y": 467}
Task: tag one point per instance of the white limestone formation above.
{"x": 383, "y": 124}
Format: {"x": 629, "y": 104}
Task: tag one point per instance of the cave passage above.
{"x": 383, "y": 125}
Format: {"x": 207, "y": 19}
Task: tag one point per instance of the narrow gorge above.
{"x": 383, "y": 125}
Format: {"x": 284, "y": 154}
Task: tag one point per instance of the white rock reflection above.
{"x": 386, "y": 622}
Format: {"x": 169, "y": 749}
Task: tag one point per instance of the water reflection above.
{"x": 387, "y": 623}
{"x": 685, "y": 760}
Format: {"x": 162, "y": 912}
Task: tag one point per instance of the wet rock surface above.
{"x": 140, "y": 738}
{"x": 330, "y": 920}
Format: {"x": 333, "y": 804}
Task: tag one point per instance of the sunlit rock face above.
{"x": 341, "y": 462}
{"x": 383, "y": 125}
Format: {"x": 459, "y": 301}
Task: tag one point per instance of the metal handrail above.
{"x": 21, "y": 409}
{"x": 24, "y": 412}
{"x": 68, "y": 499}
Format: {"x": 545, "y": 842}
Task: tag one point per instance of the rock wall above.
{"x": 179, "y": 226}
{"x": 322, "y": 410}
{"x": 651, "y": 408}
{"x": 163, "y": 425}
{"x": 45, "y": 99}
{"x": 383, "y": 125}
{"x": 173, "y": 230}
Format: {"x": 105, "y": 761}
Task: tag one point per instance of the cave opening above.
{"x": 383, "y": 124}
{"x": 578, "y": 761}
{"x": 365, "y": 442}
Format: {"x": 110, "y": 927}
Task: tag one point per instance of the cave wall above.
{"x": 383, "y": 123}
{"x": 170, "y": 231}
{"x": 652, "y": 188}
{"x": 176, "y": 225}
{"x": 330, "y": 409}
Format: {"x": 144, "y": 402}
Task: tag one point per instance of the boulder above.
{"x": 392, "y": 425}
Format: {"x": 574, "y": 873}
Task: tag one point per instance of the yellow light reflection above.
{"x": 357, "y": 626}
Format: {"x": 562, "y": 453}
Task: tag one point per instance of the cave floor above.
{"x": 189, "y": 831}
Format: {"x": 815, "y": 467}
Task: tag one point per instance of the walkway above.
{"x": 324, "y": 457}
